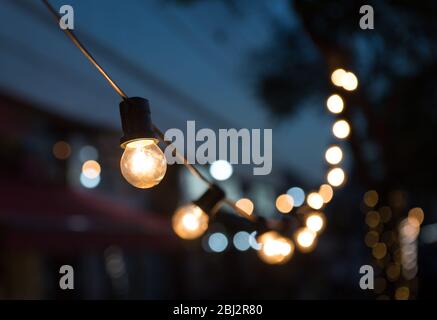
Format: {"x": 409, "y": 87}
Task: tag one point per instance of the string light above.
{"x": 336, "y": 177}
{"x": 246, "y": 205}
{"x": 91, "y": 169}
{"x": 337, "y": 77}
{"x": 341, "y": 129}
{"x": 275, "y": 249}
{"x": 335, "y": 104}
{"x": 315, "y": 200}
{"x": 334, "y": 155}
{"x": 315, "y": 222}
{"x": 305, "y": 239}
{"x": 349, "y": 81}
{"x": 326, "y": 192}
{"x": 284, "y": 203}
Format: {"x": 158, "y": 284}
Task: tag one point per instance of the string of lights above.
{"x": 143, "y": 165}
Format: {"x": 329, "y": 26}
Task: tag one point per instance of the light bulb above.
{"x": 315, "y": 222}
{"x": 190, "y": 222}
{"x": 306, "y": 239}
{"x": 275, "y": 249}
{"x": 143, "y": 164}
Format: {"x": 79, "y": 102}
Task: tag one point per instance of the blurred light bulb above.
{"x": 143, "y": 164}
{"x": 335, "y": 104}
{"x": 341, "y": 129}
{"x": 334, "y": 155}
{"x": 91, "y": 169}
{"x": 275, "y": 249}
{"x": 336, "y": 177}
{"x": 306, "y": 239}
{"x": 284, "y": 203}
{"x": 190, "y": 222}
{"x": 337, "y": 77}
{"x": 349, "y": 81}
{"x": 315, "y": 222}
{"x": 221, "y": 170}
{"x": 315, "y": 200}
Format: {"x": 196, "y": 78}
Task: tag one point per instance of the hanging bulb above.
{"x": 275, "y": 249}
{"x": 190, "y": 222}
{"x": 143, "y": 163}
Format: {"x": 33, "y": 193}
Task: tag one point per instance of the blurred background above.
{"x": 225, "y": 64}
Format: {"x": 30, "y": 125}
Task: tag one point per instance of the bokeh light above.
{"x": 298, "y": 196}
{"x": 241, "y": 240}
{"x": 275, "y": 249}
{"x": 349, "y": 81}
{"x": 371, "y": 198}
{"x": 89, "y": 183}
{"x": 91, "y": 169}
{"x": 284, "y": 203}
{"x": 190, "y": 222}
{"x": 335, "y": 104}
{"x": 379, "y": 250}
{"x": 416, "y": 216}
{"x": 305, "y": 239}
{"x": 371, "y": 239}
{"x": 217, "y": 242}
{"x": 334, "y": 155}
{"x": 341, "y": 129}
{"x": 245, "y": 205}
{"x": 373, "y": 219}
{"x": 337, "y": 77}
{"x": 402, "y": 293}
{"x": 326, "y": 192}
{"x": 221, "y": 170}
{"x": 315, "y": 200}
{"x": 61, "y": 150}
{"x": 315, "y": 222}
{"x": 336, "y": 177}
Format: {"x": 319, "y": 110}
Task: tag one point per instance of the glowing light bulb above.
{"x": 275, "y": 249}
{"x": 335, "y": 104}
{"x": 315, "y": 200}
{"x": 336, "y": 177}
{"x": 334, "y": 155}
{"x": 143, "y": 164}
{"x": 91, "y": 169}
{"x": 326, "y": 192}
{"x": 306, "y": 239}
{"x": 284, "y": 203}
{"x": 341, "y": 129}
{"x": 315, "y": 222}
{"x": 190, "y": 222}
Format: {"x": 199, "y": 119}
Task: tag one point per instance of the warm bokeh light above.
{"x": 385, "y": 213}
{"x": 402, "y": 293}
{"x": 143, "y": 164}
{"x": 337, "y": 77}
{"x": 371, "y": 239}
{"x": 221, "y": 170}
{"x": 190, "y": 222}
{"x": 373, "y": 219}
{"x": 315, "y": 221}
{"x": 349, "y": 81}
{"x": 326, "y": 192}
{"x": 334, "y": 155}
{"x": 61, "y": 150}
{"x": 393, "y": 271}
{"x": 371, "y": 198}
{"x": 91, "y": 169}
{"x": 305, "y": 239}
{"x": 335, "y": 104}
{"x": 336, "y": 177}
{"x": 379, "y": 250}
{"x": 245, "y": 205}
{"x": 341, "y": 129}
{"x": 315, "y": 200}
{"x": 284, "y": 203}
{"x": 416, "y": 216}
{"x": 275, "y": 249}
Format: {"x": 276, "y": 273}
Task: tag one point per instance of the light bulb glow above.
{"x": 326, "y": 192}
{"x": 336, "y": 177}
{"x": 315, "y": 222}
{"x": 334, "y": 155}
{"x": 190, "y": 222}
{"x": 306, "y": 239}
{"x": 341, "y": 129}
{"x": 315, "y": 200}
{"x": 335, "y": 104}
{"x": 221, "y": 170}
{"x": 284, "y": 203}
{"x": 143, "y": 164}
{"x": 245, "y": 205}
{"x": 91, "y": 169}
{"x": 337, "y": 77}
{"x": 349, "y": 81}
{"x": 275, "y": 249}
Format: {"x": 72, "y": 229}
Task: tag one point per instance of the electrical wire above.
{"x": 188, "y": 165}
